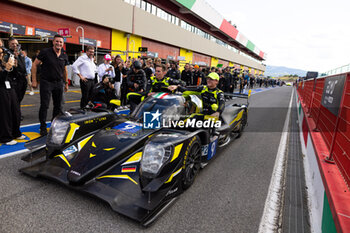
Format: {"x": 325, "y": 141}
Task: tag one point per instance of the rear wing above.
{"x": 238, "y": 95}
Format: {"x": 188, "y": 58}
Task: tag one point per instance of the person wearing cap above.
{"x": 85, "y": 68}
{"x": 106, "y": 68}
{"x": 212, "y": 97}
{"x": 198, "y": 76}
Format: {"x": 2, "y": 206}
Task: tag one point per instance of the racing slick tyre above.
{"x": 243, "y": 124}
{"x": 192, "y": 162}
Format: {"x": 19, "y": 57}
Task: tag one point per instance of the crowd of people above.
{"x": 129, "y": 81}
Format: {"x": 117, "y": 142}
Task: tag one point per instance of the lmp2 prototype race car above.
{"x": 136, "y": 163}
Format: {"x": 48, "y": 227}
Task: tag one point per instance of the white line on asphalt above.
{"x": 269, "y": 219}
{"x": 13, "y": 153}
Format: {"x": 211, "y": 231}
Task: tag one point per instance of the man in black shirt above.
{"x": 198, "y": 76}
{"x": 186, "y": 75}
{"x": 53, "y": 77}
{"x": 173, "y": 72}
{"x": 147, "y": 69}
{"x": 228, "y": 80}
{"x": 137, "y": 84}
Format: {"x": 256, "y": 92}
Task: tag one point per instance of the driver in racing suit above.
{"x": 212, "y": 97}
{"x": 160, "y": 83}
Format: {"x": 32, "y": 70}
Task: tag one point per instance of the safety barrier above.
{"x": 325, "y": 122}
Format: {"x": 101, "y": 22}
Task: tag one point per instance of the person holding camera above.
{"x": 54, "y": 77}
{"x": 18, "y": 76}
{"x": 106, "y": 68}
{"x": 118, "y": 70}
{"x": 9, "y": 107}
{"x": 86, "y": 69}
{"x": 19, "y": 70}
{"x": 104, "y": 92}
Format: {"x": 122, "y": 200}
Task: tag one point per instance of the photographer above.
{"x": 9, "y": 107}
{"x": 137, "y": 84}
{"x": 104, "y": 92}
{"x": 106, "y": 68}
{"x": 18, "y": 75}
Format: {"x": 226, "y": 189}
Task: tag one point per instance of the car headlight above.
{"x": 154, "y": 157}
{"x": 58, "y": 131}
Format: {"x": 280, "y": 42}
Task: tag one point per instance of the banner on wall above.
{"x": 171, "y": 58}
{"x": 17, "y": 29}
{"x": 332, "y": 93}
{"x": 44, "y": 33}
{"x": 88, "y": 41}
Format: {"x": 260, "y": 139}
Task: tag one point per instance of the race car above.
{"x": 138, "y": 163}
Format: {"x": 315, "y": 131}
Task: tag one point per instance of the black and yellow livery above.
{"x": 138, "y": 171}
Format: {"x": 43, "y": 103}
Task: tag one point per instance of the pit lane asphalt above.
{"x": 227, "y": 196}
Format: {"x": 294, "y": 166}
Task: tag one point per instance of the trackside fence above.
{"x": 325, "y": 102}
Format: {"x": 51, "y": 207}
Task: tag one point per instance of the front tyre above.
{"x": 192, "y": 162}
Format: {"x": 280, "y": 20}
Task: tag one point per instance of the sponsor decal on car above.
{"x": 70, "y": 150}
{"x": 128, "y": 126}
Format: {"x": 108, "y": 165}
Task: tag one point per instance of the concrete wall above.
{"x": 117, "y": 14}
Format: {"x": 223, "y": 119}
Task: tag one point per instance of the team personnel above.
{"x": 137, "y": 84}
{"x": 86, "y": 69}
{"x": 118, "y": 70}
{"x": 9, "y": 108}
{"x": 212, "y": 97}
{"x": 106, "y": 68}
{"x": 28, "y": 63}
{"x": 53, "y": 77}
{"x": 198, "y": 76}
{"x": 148, "y": 70}
{"x": 186, "y": 75}
{"x": 228, "y": 80}
{"x": 173, "y": 72}
{"x": 124, "y": 86}
{"x": 160, "y": 83}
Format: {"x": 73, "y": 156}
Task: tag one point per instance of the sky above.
{"x": 312, "y": 35}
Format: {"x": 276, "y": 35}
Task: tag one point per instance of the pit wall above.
{"x": 325, "y": 134}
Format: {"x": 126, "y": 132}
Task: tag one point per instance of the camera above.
{"x": 111, "y": 80}
{"x": 8, "y": 53}
{"x": 139, "y": 82}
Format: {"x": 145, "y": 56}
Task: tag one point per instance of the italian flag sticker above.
{"x": 161, "y": 95}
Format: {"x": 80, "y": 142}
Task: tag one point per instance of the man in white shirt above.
{"x": 106, "y": 68}
{"x": 86, "y": 69}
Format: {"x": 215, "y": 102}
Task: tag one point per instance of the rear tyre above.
{"x": 192, "y": 163}
{"x": 243, "y": 124}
